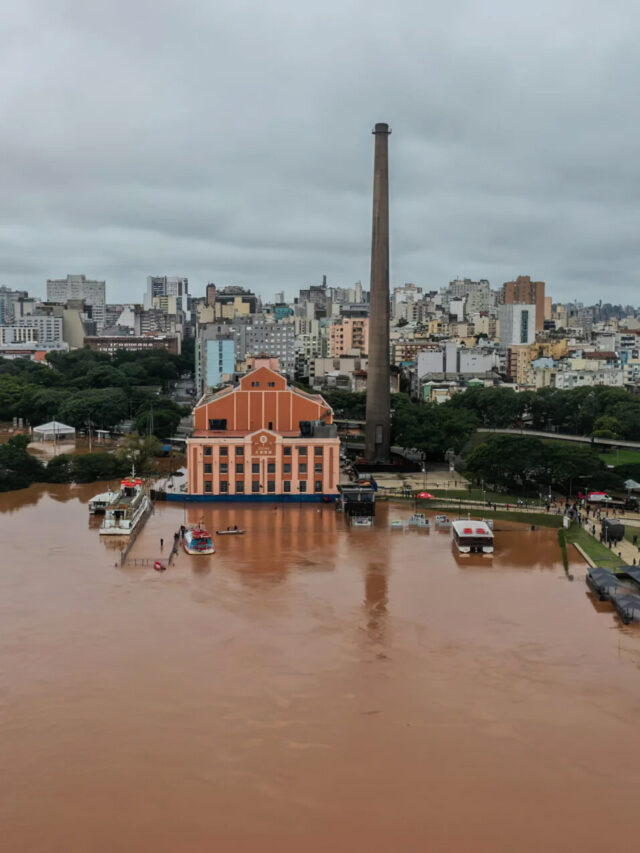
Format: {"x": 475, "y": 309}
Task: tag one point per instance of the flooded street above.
{"x": 306, "y": 688}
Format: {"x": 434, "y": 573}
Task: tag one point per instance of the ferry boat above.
{"x": 443, "y": 522}
{"x": 472, "y": 536}
{"x": 419, "y": 519}
{"x": 127, "y": 508}
{"x": 99, "y": 503}
{"x": 196, "y": 540}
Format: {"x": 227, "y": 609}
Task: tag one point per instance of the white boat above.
{"x": 472, "y": 536}
{"x": 443, "y": 522}
{"x": 99, "y": 503}
{"x": 362, "y": 521}
{"x": 419, "y": 519}
{"x": 127, "y": 509}
{"x": 196, "y": 540}
{"x": 397, "y": 524}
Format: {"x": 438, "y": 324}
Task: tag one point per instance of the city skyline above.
{"x": 514, "y": 144}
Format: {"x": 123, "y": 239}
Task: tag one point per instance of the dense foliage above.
{"x": 90, "y": 390}
{"x": 18, "y": 468}
{"x": 527, "y": 463}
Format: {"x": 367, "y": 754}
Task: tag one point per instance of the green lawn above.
{"x": 599, "y": 553}
{"x": 623, "y": 456}
{"x": 476, "y": 494}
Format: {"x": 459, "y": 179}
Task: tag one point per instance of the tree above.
{"x": 161, "y": 420}
{"x": 139, "y": 450}
{"x": 18, "y": 468}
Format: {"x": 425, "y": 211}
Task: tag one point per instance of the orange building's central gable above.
{"x": 263, "y": 443}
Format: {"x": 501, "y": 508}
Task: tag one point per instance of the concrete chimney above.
{"x": 378, "y": 424}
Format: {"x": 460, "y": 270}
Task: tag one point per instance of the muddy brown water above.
{"x": 307, "y": 688}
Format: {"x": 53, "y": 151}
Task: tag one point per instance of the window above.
{"x": 286, "y": 450}
{"x": 271, "y": 486}
{"x": 207, "y": 486}
{"x": 318, "y": 486}
{"x": 223, "y": 467}
{"x": 208, "y": 451}
{"x": 302, "y": 468}
{"x": 207, "y": 467}
{"x": 318, "y": 451}
{"x": 287, "y": 467}
{"x": 271, "y": 467}
{"x": 287, "y": 485}
{"x": 255, "y": 486}
{"x": 303, "y": 485}
{"x": 271, "y": 384}
{"x": 255, "y": 467}
{"x": 239, "y": 451}
{"x": 302, "y": 451}
{"x": 224, "y": 487}
{"x": 217, "y": 423}
{"x": 239, "y": 487}
{"x": 255, "y": 384}
{"x": 270, "y": 425}
{"x": 224, "y": 451}
{"x": 239, "y": 468}
{"x": 318, "y": 468}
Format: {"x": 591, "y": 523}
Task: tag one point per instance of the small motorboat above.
{"x": 196, "y": 540}
{"x": 443, "y": 522}
{"x": 419, "y": 519}
{"x": 362, "y": 521}
{"x": 397, "y": 524}
{"x": 230, "y": 531}
{"x": 159, "y": 567}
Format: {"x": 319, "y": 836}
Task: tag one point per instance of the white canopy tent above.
{"x": 53, "y": 431}
{"x": 631, "y": 485}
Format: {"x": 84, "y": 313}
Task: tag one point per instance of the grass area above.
{"x": 476, "y": 494}
{"x": 631, "y": 530}
{"x": 599, "y": 553}
{"x": 623, "y": 456}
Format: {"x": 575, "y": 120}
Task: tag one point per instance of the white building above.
{"x": 517, "y": 324}
{"x": 568, "y": 379}
{"x": 450, "y": 359}
{"x": 79, "y": 287}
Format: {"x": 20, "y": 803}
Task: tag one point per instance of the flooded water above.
{"x": 306, "y": 688}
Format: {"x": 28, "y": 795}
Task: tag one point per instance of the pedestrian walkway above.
{"x": 626, "y": 550}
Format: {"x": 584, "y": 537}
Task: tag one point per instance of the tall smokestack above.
{"x": 378, "y": 426}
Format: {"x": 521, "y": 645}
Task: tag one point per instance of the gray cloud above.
{"x": 230, "y": 142}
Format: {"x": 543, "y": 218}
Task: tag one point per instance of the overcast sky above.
{"x": 230, "y": 141}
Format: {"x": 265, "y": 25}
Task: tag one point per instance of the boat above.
{"x": 126, "y": 510}
{"x": 159, "y": 567}
{"x": 233, "y": 531}
{"x": 99, "y": 503}
{"x": 362, "y": 521}
{"x": 419, "y": 519}
{"x": 472, "y": 536}
{"x": 196, "y": 540}
{"x": 443, "y": 522}
{"x": 397, "y": 524}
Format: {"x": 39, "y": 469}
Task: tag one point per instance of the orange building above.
{"x": 263, "y": 440}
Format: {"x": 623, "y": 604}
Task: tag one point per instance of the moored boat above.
{"x": 397, "y": 524}
{"x": 472, "y": 536}
{"x": 362, "y": 521}
{"x": 419, "y": 519}
{"x": 443, "y": 522}
{"x": 127, "y": 509}
{"x": 99, "y": 503}
{"x": 196, "y": 540}
{"x": 230, "y": 531}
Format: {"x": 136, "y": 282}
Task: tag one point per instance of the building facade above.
{"x": 525, "y": 291}
{"x": 517, "y": 324}
{"x": 79, "y": 287}
{"x": 263, "y": 440}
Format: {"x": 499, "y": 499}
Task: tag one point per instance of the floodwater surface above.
{"x": 306, "y": 688}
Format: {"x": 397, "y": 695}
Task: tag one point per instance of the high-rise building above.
{"x": 80, "y": 287}
{"x": 517, "y": 324}
{"x": 523, "y": 291}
